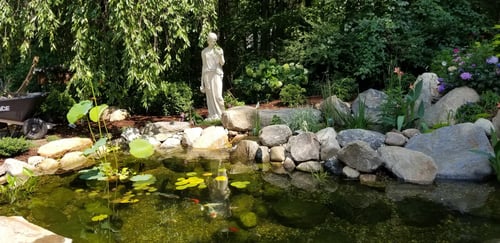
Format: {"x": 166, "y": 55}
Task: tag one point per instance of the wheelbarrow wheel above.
{"x": 34, "y": 128}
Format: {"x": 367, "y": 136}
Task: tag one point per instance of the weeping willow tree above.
{"x": 116, "y": 47}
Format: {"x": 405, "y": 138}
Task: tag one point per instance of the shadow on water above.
{"x": 262, "y": 210}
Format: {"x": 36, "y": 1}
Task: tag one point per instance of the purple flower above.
{"x": 466, "y": 76}
{"x": 441, "y": 87}
{"x": 473, "y": 65}
{"x": 492, "y": 60}
{"x": 440, "y": 80}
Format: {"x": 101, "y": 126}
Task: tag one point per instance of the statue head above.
{"x": 211, "y": 39}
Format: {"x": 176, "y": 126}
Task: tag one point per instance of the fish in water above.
{"x": 167, "y": 195}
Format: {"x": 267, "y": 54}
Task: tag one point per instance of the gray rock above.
{"x": 239, "y": 118}
{"x": 304, "y": 147}
{"x": 409, "y": 165}
{"x": 360, "y": 156}
{"x": 445, "y": 109}
{"x": 245, "y": 152}
{"x": 372, "y": 99}
{"x": 373, "y": 138}
{"x": 395, "y": 139}
{"x": 327, "y": 138}
{"x": 310, "y": 166}
{"x": 274, "y": 135}
{"x": 452, "y": 150}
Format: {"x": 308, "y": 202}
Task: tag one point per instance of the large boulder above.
{"x": 452, "y": 149}
{"x": 18, "y": 229}
{"x": 445, "y": 109}
{"x": 372, "y": 100}
{"x": 373, "y": 138}
{"x": 58, "y": 148}
{"x": 212, "y": 138}
{"x": 239, "y": 118}
{"x": 274, "y": 135}
{"x": 409, "y": 165}
{"x": 360, "y": 156}
{"x": 304, "y": 147}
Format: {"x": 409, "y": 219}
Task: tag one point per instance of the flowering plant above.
{"x": 476, "y": 67}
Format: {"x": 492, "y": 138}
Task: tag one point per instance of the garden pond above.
{"x": 201, "y": 200}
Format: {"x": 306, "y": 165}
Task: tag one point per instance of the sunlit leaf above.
{"x": 78, "y": 111}
{"x": 99, "y": 217}
{"x": 101, "y": 142}
{"x": 141, "y": 148}
{"x": 96, "y": 112}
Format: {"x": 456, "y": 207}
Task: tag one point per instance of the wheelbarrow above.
{"x": 19, "y": 111}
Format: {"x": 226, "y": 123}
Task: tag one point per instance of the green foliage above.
{"x": 18, "y": 186}
{"x": 344, "y": 88}
{"x": 264, "y": 80}
{"x": 231, "y": 101}
{"x": 304, "y": 119}
{"x": 112, "y": 46}
{"x": 56, "y": 105}
{"x": 276, "y": 120}
{"x": 13, "y": 146}
{"x": 400, "y": 110}
{"x": 293, "y": 95}
{"x": 476, "y": 67}
{"x": 170, "y": 98}
{"x": 486, "y": 107}
{"x": 352, "y": 121}
{"x": 358, "y": 39}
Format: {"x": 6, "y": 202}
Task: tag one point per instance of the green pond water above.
{"x": 338, "y": 211}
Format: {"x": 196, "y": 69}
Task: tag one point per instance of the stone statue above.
{"x": 211, "y": 76}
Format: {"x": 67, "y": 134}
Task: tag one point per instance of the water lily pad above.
{"x": 240, "y": 184}
{"x": 181, "y": 187}
{"x": 207, "y": 174}
{"x": 99, "y": 217}
{"x": 191, "y": 173}
{"x": 141, "y": 148}
{"x": 221, "y": 178}
{"x": 144, "y": 177}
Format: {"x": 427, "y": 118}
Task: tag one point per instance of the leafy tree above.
{"x": 113, "y": 46}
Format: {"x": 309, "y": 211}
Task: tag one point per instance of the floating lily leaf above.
{"x": 99, "y": 217}
{"x": 191, "y": 174}
{"x": 92, "y": 174}
{"x": 141, "y": 148}
{"x": 181, "y": 187}
{"x": 202, "y": 186}
{"x": 96, "y": 112}
{"x": 144, "y": 177}
{"x": 207, "y": 174}
{"x": 181, "y": 183}
{"x": 240, "y": 184}
{"x": 221, "y": 178}
{"x": 79, "y": 110}
{"x": 95, "y": 146}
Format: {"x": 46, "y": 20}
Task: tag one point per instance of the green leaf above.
{"x": 78, "y": 110}
{"x": 144, "y": 177}
{"x": 141, "y": 148}
{"x": 96, "y": 112}
{"x": 399, "y": 122}
{"x": 95, "y": 146}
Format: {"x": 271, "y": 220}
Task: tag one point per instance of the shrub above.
{"x": 305, "y": 120}
{"x": 264, "y": 80}
{"x": 56, "y": 105}
{"x": 476, "y": 67}
{"x": 293, "y": 95}
{"x": 399, "y": 110}
{"x": 13, "y": 146}
{"x": 484, "y": 108}
{"x": 345, "y": 89}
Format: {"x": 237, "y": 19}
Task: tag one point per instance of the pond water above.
{"x": 267, "y": 209}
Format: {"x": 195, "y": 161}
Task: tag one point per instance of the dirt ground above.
{"x": 65, "y": 131}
